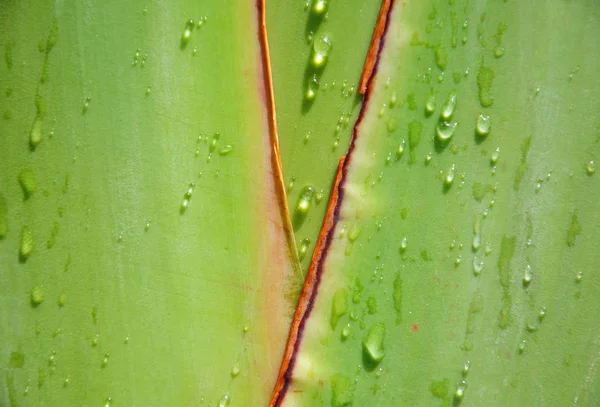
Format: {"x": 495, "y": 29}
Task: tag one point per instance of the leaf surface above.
{"x": 146, "y": 256}
{"x": 457, "y": 263}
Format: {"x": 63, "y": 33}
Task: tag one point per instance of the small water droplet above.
{"x": 37, "y": 295}
{"x": 522, "y": 346}
{"x": 95, "y": 340}
{"x": 126, "y": 340}
{"x": 226, "y": 150}
{"x": 466, "y": 368}
{"x": 403, "y": 244}
{"x": 459, "y": 394}
{"x": 345, "y": 332}
{"x": 579, "y": 277}
{"x": 542, "y": 314}
{"x": 235, "y": 371}
{"x": 86, "y": 104}
{"x": 590, "y": 168}
{"x": 312, "y": 88}
{"x": 428, "y": 158}
{"x": 483, "y": 125}
{"x": 449, "y": 179}
{"x": 66, "y": 382}
{"x": 148, "y": 90}
{"x": 186, "y": 198}
{"x": 499, "y": 52}
{"x": 105, "y": 360}
{"x": 303, "y": 206}
{"x": 401, "y": 148}
{"x": 430, "y": 105}
{"x": 458, "y": 261}
{"x": 477, "y": 266}
{"x": 303, "y": 248}
{"x": 225, "y": 400}
{"x": 186, "y": 36}
{"x": 108, "y": 402}
{"x": 527, "y": 275}
{"x": 495, "y": 156}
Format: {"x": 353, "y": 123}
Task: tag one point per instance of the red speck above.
{"x": 414, "y": 327}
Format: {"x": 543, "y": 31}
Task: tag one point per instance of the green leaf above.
{"x": 314, "y": 132}
{"x": 480, "y": 246}
{"x": 146, "y": 252}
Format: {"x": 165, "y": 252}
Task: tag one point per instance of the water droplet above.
{"x": 86, "y": 104}
{"x": 466, "y": 368}
{"x": 339, "y": 307}
{"x": 105, "y": 360}
{"x": 27, "y": 182}
{"x": 304, "y": 204}
{"x": 37, "y": 295}
{"x": 449, "y": 107}
{"x": 95, "y": 340}
{"x": 522, "y": 346}
{"x": 321, "y": 48}
{"x": 483, "y": 125}
{"x": 393, "y": 99}
{"x": 345, "y": 332}
{"x": 148, "y": 90}
{"x": 590, "y": 168}
{"x": 449, "y": 179}
{"x": 66, "y": 382}
{"x": 499, "y": 52}
{"x": 225, "y": 400}
{"x": 303, "y": 248}
{"x": 579, "y": 277}
{"x": 186, "y": 36}
{"x": 186, "y": 198}
{"x": 401, "y": 148}
{"x": 459, "y": 394}
{"x": 445, "y": 130}
{"x": 477, "y": 266}
{"x": 527, "y": 275}
{"x": 226, "y": 150}
{"x": 542, "y": 314}
{"x": 458, "y": 261}
{"x": 403, "y": 244}
{"x": 430, "y": 105}
{"x": 495, "y": 156}
{"x": 312, "y": 88}
{"x": 26, "y": 245}
{"x": 319, "y": 7}
{"x": 108, "y": 402}
{"x": 235, "y": 371}
{"x": 62, "y": 299}
{"x": 373, "y": 348}
{"x": 35, "y": 135}
{"x": 126, "y": 340}
{"x": 428, "y": 158}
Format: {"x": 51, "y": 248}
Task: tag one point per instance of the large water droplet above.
{"x": 321, "y": 48}
{"x": 459, "y": 394}
{"x": 445, "y": 130}
{"x": 319, "y": 7}
{"x": 373, "y": 349}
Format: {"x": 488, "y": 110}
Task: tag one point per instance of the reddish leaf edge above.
{"x": 315, "y": 270}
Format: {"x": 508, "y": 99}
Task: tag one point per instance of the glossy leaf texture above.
{"x": 458, "y": 262}
{"x": 318, "y": 51}
{"x": 146, "y": 253}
